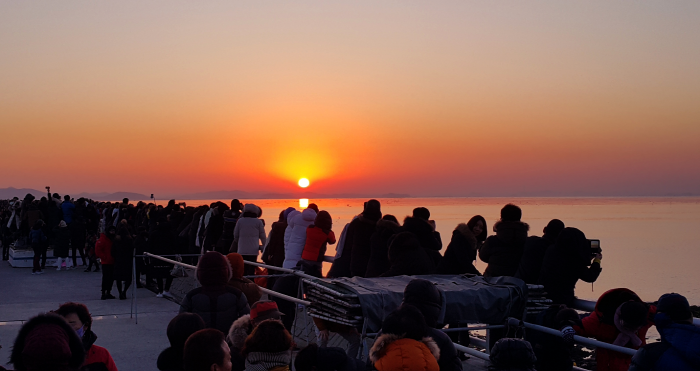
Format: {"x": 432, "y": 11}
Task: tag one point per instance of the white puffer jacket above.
{"x": 249, "y": 232}
{"x": 297, "y": 237}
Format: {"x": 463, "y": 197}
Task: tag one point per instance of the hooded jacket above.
{"x": 62, "y": 241}
{"x": 218, "y": 304}
{"x": 392, "y": 353}
{"x": 47, "y": 342}
{"x": 358, "y": 241}
{"x": 678, "y": 350}
{"x": 249, "y": 288}
{"x": 294, "y": 247}
{"x": 379, "y": 246}
{"x": 123, "y": 254}
{"x": 103, "y": 250}
{"x": 599, "y": 325}
{"x": 460, "y": 253}
{"x": 249, "y": 231}
{"x": 533, "y": 256}
{"x": 565, "y": 262}
{"x": 503, "y": 251}
{"x": 274, "y": 251}
{"x": 407, "y": 257}
{"x": 428, "y": 238}
{"x": 318, "y": 236}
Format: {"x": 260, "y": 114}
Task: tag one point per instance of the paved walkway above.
{"x": 133, "y": 346}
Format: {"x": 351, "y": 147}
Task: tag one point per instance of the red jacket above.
{"x": 599, "y": 325}
{"x": 103, "y": 250}
{"x": 315, "y": 246}
{"x": 98, "y": 354}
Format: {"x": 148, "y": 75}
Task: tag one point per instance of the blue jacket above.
{"x": 36, "y": 236}
{"x": 68, "y": 208}
{"x": 678, "y": 350}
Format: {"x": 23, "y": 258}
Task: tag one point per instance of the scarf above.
{"x": 264, "y": 361}
{"x": 625, "y": 336}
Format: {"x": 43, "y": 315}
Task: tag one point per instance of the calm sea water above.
{"x": 650, "y": 245}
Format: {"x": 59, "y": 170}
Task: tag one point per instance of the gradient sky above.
{"x": 427, "y": 98}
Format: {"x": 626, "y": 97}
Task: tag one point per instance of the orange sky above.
{"x": 455, "y": 98}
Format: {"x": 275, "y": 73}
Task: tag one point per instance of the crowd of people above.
{"x": 225, "y": 325}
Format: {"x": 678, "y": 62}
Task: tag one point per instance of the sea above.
{"x": 650, "y": 245}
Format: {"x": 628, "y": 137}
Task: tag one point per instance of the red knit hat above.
{"x": 237, "y": 264}
{"x": 264, "y": 309}
{"x": 47, "y": 345}
{"x": 213, "y": 269}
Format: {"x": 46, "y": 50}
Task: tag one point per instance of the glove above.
{"x": 568, "y": 333}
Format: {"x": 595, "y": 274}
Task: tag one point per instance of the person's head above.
{"x": 313, "y": 207}
{"x": 390, "y": 218}
{"x": 111, "y": 231}
{"x": 285, "y": 213}
{"x": 263, "y": 310}
{"x": 421, "y": 213}
{"x": 477, "y": 224}
{"x": 269, "y": 336}
{"x": 213, "y": 269}
{"x": 77, "y": 316}
{"x": 237, "y": 264}
{"x": 632, "y": 315}
{"x": 512, "y": 354}
{"x": 323, "y": 220}
{"x": 236, "y": 205}
{"x": 181, "y": 327}
{"x": 553, "y": 228}
{"x": 423, "y": 295}
{"x": 66, "y": 198}
{"x": 206, "y": 350}
{"x": 56, "y": 195}
{"x": 566, "y": 317}
{"x": 407, "y": 322}
{"x": 573, "y": 242}
{"x": 511, "y": 213}
{"x": 306, "y": 359}
{"x": 676, "y": 307}
{"x": 47, "y": 342}
{"x": 372, "y": 210}
{"x": 125, "y": 200}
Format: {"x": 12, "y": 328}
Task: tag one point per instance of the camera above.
{"x": 595, "y": 247}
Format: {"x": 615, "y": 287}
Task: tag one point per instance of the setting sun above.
{"x": 303, "y": 183}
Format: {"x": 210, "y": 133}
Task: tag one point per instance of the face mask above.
{"x": 81, "y": 332}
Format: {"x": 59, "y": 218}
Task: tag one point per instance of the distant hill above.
{"x": 229, "y": 195}
{"x": 116, "y": 196}
{"x": 9, "y": 193}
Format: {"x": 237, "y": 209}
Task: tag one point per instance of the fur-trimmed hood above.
{"x": 239, "y": 331}
{"x": 510, "y": 232}
{"x": 384, "y": 342}
{"x": 463, "y": 228}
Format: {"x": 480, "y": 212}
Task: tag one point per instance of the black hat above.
{"x": 675, "y": 306}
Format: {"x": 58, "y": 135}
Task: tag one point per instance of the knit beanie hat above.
{"x": 511, "y": 213}
{"x": 213, "y": 269}
{"x": 237, "y": 264}
{"x": 675, "y": 306}
{"x": 47, "y": 342}
{"x": 181, "y": 327}
{"x": 426, "y": 297}
{"x": 324, "y": 220}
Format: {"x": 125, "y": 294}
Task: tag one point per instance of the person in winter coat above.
{"x": 407, "y": 257}
{"x": 206, "y": 350}
{"x": 273, "y": 254}
{"x": 554, "y": 353}
{"x": 268, "y": 348}
{"x": 67, "y": 207}
{"x": 512, "y": 355}
{"x": 289, "y": 285}
{"x": 215, "y": 229}
{"x": 290, "y": 226}
{"x": 565, "y": 262}
{"x": 248, "y": 234}
{"x": 679, "y": 348}
{"x": 217, "y": 303}
{"x": 357, "y": 243}
{"x": 242, "y": 327}
{"x": 318, "y": 236}
{"x": 420, "y": 225}
{"x": 123, "y": 254}
{"x": 103, "y": 250}
{"x": 194, "y": 242}
{"x": 294, "y": 246}
{"x": 535, "y": 250}
{"x": 179, "y": 329}
{"x": 378, "y": 263}
{"x": 161, "y": 242}
{"x": 620, "y": 318}
{"x": 315, "y": 358}
{"x": 249, "y": 288}
{"x": 461, "y": 252}
{"x": 404, "y": 344}
{"x": 423, "y": 295}
{"x": 62, "y": 245}
{"x": 47, "y": 342}
{"x": 37, "y": 238}
{"x": 230, "y": 219}
{"x": 79, "y": 318}
{"x": 503, "y": 251}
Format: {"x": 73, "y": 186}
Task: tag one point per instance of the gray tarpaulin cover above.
{"x": 465, "y": 299}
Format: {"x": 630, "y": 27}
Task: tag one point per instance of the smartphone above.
{"x": 595, "y": 247}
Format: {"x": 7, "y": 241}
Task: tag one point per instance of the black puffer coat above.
{"x": 407, "y": 257}
{"x": 274, "y": 251}
{"x": 428, "y": 238}
{"x": 533, "y": 255}
{"x": 460, "y": 253}
{"x": 512, "y": 355}
{"x": 503, "y": 251}
{"x": 379, "y": 242}
{"x": 123, "y": 254}
{"x": 358, "y": 240}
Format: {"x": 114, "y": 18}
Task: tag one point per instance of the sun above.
{"x": 303, "y": 183}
